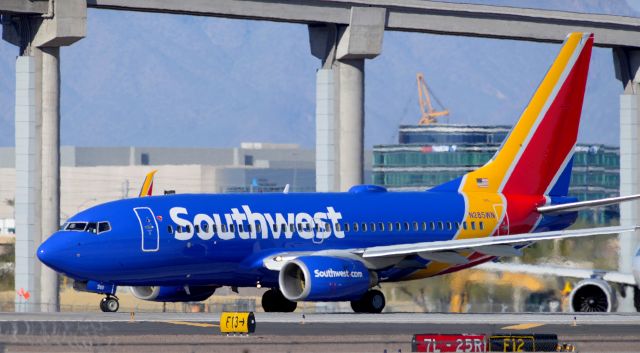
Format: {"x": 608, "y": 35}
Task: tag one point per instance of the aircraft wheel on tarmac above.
{"x": 109, "y": 304}
{"x": 273, "y": 301}
{"x": 371, "y": 302}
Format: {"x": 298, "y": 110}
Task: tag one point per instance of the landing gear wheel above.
{"x": 273, "y": 301}
{"x": 371, "y": 302}
{"x": 109, "y": 304}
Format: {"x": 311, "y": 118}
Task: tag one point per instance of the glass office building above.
{"x": 427, "y": 156}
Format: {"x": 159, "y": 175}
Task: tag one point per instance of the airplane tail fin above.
{"x": 147, "y": 184}
{"x": 536, "y": 156}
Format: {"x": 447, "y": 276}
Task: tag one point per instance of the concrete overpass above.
{"x": 342, "y": 34}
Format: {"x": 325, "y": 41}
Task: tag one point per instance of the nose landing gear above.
{"x": 109, "y": 304}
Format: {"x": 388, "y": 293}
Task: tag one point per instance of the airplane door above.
{"x": 503, "y": 227}
{"x": 148, "y": 229}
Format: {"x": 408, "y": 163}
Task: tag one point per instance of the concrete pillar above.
{"x": 50, "y": 167}
{"x": 627, "y": 63}
{"x": 27, "y": 199}
{"x": 37, "y": 165}
{"x": 343, "y": 51}
{"x": 351, "y": 123}
{"x": 325, "y": 131}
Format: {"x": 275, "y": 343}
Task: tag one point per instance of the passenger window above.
{"x": 299, "y": 227}
{"x": 205, "y": 227}
{"x": 274, "y": 227}
{"x": 364, "y": 227}
{"x": 196, "y": 228}
{"x": 390, "y": 226}
{"x": 473, "y": 225}
{"x": 381, "y": 226}
{"x": 292, "y": 227}
{"x": 307, "y": 227}
{"x": 338, "y": 227}
{"x": 481, "y": 225}
{"x": 457, "y": 225}
{"x": 441, "y": 225}
{"x": 170, "y": 229}
{"x": 449, "y": 226}
{"x": 240, "y": 227}
{"x": 464, "y": 225}
{"x": 346, "y": 227}
{"x": 188, "y": 228}
{"x": 415, "y": 226}
{"x": 398, "y": 226}
{"x": 327, "y": 227}
{"x": 213, "y": 228}
{"x": 355, "y": 226}
{"x": 432, "y": 225}
{"x": 232, "y": 228}
{"x": 424, "y": 226}
{"x": 406, "y": 226}
{"x": 103, "y": 227}
{"x": 224, "y": 228}
{"x": 372, "y": 226}
{"x": 258, "y": 228}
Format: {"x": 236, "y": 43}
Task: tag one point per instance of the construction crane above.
{"x": 429, "y": 115}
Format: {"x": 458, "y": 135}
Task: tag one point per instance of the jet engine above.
{"x": 173, "y": 293}
{"x": 593, "y": 295}
{"x": 325, "y": 278}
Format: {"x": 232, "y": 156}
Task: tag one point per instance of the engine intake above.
{"x": 593, "y": 295}
{"x": 173, "y": 293}
{"x": 325, "y": 278}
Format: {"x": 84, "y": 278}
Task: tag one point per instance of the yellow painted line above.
{"x": 186, "y": 323}
{"x": 522, "y": 326}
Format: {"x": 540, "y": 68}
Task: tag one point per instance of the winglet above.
{"x": 286, "y": 189}
{"x": 147, "y": 185}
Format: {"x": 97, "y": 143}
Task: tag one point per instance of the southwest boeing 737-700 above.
{"x": 340, "y": 246}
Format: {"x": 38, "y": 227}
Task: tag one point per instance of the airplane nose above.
{"x": 50, "y": 252}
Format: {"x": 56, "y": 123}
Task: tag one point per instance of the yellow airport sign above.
{"x": 237, "y": 322}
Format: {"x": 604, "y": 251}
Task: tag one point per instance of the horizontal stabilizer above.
{"x": 576, "y": 206}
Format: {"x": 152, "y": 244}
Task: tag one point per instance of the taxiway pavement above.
{"x": 298, "y": 332}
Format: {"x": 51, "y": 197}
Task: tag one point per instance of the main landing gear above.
{"x": 273, "y": 301}
{"x": 371, "y": 302}
{"x": 109, "y": 304}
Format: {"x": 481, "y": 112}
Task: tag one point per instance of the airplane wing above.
{"x": 147, "y": 185}
{"x": 609, "y": 276}
{"x": 445, "y": 251}
{"x": 491, "y": 245}
{"x": 576, "y": 206}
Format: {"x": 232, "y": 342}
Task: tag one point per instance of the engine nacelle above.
{"x": 325, "y": 278}
{"x": 593, "y": 295}
{"x": 173, "y": 293}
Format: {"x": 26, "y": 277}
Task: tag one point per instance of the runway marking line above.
{"x": 196, "y": 324}
{"x": 522, "y": 326}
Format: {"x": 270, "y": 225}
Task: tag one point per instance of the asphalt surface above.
{"x": 168, "y": 332}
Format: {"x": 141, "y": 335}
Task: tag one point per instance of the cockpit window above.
{"x": 92, "y": 227}
{"x": 76, "y": 226}
{"x": 103, "y": 227}
{"x": 89, "y": 227}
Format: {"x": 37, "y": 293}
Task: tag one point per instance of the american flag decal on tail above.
{"x": 482, "y": 182}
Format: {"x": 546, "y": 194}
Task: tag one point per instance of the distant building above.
{"x": 427, "y": 156}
